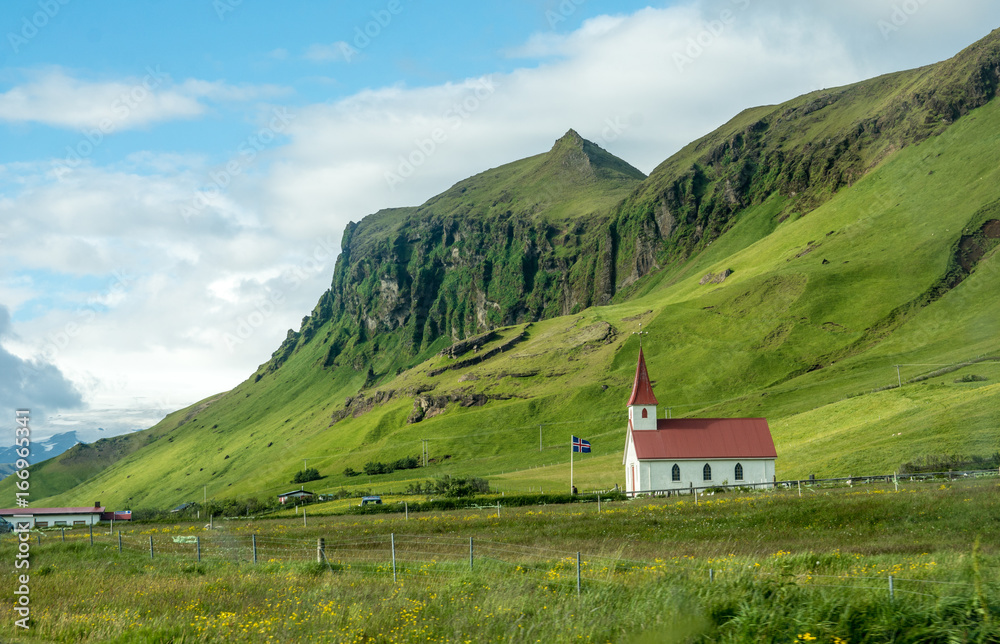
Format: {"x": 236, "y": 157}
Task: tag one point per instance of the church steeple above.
{"x": 642, "y": 390}
{"x": 642, "y": 403}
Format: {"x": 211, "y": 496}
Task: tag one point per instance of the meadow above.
{"x": 768, "y": 566}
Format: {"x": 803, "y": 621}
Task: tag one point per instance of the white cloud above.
{"x": 339, "y": 51}
{"x": 32, "y": 384}
{"x": 219, "y": 91}
{"x": 254, "y": 259}
{"x": 53, "y": 97}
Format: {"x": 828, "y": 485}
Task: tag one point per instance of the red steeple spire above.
{"x": 642, "y": 391}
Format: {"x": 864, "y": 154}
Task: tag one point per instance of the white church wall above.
{"x": 659, "y": 473}
{"x": 631, "y": 468}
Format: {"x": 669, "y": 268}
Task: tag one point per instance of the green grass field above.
{"x": 762, "y": 567}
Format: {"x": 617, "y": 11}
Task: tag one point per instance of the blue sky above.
{"x": 291, "y": 46}
{"x": 176, "y": 176}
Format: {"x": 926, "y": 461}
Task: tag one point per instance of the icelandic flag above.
{"x": 580, "y": 445}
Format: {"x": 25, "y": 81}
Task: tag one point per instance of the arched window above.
{"x": 675, "y": 473}
{"x": 707, "y": 472}
{"x": 645, "y": 414}
{"x": 739, "y": 472}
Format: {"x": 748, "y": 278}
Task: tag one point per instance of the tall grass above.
{"x": 769, "y": 567}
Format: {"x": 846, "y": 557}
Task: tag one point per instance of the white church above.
{"x": 664, "y": 454}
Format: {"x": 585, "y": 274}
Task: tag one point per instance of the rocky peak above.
{"x": 582, "y": 160}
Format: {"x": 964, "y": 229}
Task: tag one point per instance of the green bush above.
{"x": 306, "y": 475}
{"x": 374, "y": 468}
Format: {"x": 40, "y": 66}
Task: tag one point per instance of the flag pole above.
{"x": 572, "y": 438}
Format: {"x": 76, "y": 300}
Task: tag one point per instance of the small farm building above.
{"x": 53, "y": 517}
{"x": 297, "y": 495}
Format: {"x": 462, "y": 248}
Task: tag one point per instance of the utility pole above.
{"x": 305, "y": 462}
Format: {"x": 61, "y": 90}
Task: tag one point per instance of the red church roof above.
{"x": 642, "y": 391}
{"x": 704, "y": 438}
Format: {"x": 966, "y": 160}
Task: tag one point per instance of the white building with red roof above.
{"x": 56, "y": 517}
{"x": 672, "y": 454}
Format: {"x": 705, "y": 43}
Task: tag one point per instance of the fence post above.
{"x": 800, "y": 489}
{"x": 598, "y": 503}
{"x": 498, "y": 509}
{"x": 64, "y": 534}
{"x": 253, "y": 546}
{"x": 406, "y": 509}
{"x": 150, "y": 546}
{"x": 470, "y": 553}
{"x": 91, "y": 534}
{"x": 197, "y": 543}
{"x": 39, "y": 535}
{"x": 303, "y": 517}
{"x": 578, "y": 573}
{"x": 320, "y": 550}
{"x": 392, "y": 543}
{"x": 892, "y": 594}
{"x": 119, "y": 542}
{"x": 711, "y": 575}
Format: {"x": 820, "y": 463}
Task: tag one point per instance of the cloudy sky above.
{"x": 175, "y": 176}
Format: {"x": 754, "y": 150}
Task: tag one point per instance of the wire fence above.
{"x": 801, "y": 484}
{"x": 402, "y": 557}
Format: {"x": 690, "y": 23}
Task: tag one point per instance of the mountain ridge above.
{"x": 822, "y": 239}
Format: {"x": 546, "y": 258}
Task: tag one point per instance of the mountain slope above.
{"x": 498, "y": 248}
{"x": 887, "y": 257}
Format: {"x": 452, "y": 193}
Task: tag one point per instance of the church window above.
{"x": 707, "y": 472}
{"x": 645, "y": 414}
{"x": 675, "y": 473}
{"x": 739, "y": 472}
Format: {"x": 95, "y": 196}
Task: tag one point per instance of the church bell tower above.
{"x": 642, "y": 403}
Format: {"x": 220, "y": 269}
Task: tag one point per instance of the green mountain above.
{"x": 783, "y": 265}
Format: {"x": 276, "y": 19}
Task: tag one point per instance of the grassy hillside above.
{"x": 897, "y": 267}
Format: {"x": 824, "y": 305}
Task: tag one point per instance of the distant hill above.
{"x": 783, "y": 266}
{"x": 40, "y": 451}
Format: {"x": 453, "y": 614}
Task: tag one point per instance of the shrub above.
{"x": 373, "y": 468}
{"x": 304, "y": 476}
